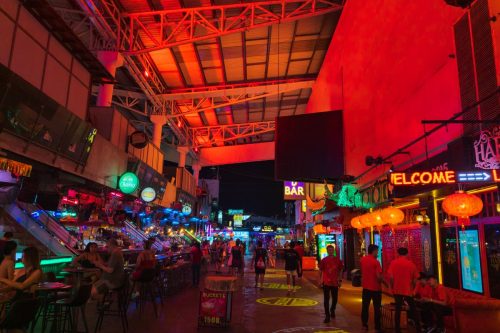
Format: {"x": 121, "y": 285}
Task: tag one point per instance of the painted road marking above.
{"x": 280, "y": 286}
{"x": 287, "y": 301}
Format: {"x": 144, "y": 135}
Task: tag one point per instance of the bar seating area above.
{"x": 61, "y": 301}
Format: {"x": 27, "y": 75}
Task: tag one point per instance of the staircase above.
{"x": 29, "y": 232}
{"x": 139, "y": 235}
{"x": 53, "y": 226}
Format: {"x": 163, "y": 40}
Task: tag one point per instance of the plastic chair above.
{"x": 20, "y": 315}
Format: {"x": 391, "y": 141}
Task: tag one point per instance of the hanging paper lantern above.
{"x": 463, "y": 206}
{"x": 356, "y": 223}
{"x": 366, "y": 220}
{"x": 392, "y": 215}
{"x": 378, "y": 221}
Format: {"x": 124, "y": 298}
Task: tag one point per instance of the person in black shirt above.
{"x": 260, "y": 261}
{"x": 291, "y": 264}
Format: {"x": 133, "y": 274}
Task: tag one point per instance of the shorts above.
{"x": 103, "y": 286}
{"x": 292, "y": 273}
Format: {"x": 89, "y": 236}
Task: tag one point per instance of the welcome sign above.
{"x": 294, "y": 190}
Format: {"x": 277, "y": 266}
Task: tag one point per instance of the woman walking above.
{"x": 237, "y": 258}
{"x": 260, "y": 260}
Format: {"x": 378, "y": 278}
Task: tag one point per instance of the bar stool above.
{"x": 146, "y": 290}
{"x": 105, "y": 309}
{"x": 69, "y": 307}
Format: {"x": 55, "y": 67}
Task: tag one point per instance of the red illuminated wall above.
{"x": 389, "y": 67}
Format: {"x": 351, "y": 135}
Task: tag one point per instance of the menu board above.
{"x": 215, "y": 308}
{"x": 470, "y": 260}
{"x": 323, "y": 241}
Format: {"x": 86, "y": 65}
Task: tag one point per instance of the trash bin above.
{"x": 356, "y": 277}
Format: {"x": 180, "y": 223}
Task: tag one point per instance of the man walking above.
{"x": 291, "y": 265}
{"x": 403, "y": 275}
{"x": 330, "y": 277}
{"x": 371, "y": 278}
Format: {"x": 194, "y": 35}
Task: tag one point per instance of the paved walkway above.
{"x": 254, "y": 311}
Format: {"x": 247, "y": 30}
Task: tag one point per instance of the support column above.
{"x": 158, "y": 122}
{"x": 183, "y": 151}
{"x": 196, "y": 172}
{"x": 111, "y": 60}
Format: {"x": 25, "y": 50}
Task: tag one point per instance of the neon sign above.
{"x": 294, "y": 190}
{"x": 444, "y": 177}
{"x": 128, "y": 182}
{"x": 423, "y": 178}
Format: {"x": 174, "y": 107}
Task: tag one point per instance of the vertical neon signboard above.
{"x": 472, "y": 278}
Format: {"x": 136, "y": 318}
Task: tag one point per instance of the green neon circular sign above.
{"x": 128, "y": 183}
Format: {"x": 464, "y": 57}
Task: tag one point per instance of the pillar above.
{"x": 196, "y": 172}
{"x": 158, "y": 122}
{"x": 111, "y": 60}
{"x": 183, "y": 151}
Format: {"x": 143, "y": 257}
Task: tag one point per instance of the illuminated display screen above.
{"x": 323, "y": 242}
{"x": 472, "y": 278}
{"x": 378, "y": 242}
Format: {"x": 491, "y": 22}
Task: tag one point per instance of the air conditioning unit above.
{"x": 477, "y": 44}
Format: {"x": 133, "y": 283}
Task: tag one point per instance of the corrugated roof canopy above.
{"x": 286, "y": 56}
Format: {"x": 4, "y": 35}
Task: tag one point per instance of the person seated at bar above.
{"x": 9, "y": 261}
{"x": 436, "y": 306}
{"x": 422, "y": 288}
{"x": 27, "y": 277}
{"x": 145, "y": 260}
{"x": 113, "y": 271}
{"x": 89, "y": 257}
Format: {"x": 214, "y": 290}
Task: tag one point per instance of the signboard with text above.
{"x": 487, "y": 149}
{"x": 294, "y": 190}
{"x": 422, "y": 178}
{"x": 215, "y": 308}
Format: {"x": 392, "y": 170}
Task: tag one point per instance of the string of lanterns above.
{"x": 460, "y": 204}
{"x": 390, "y": 215}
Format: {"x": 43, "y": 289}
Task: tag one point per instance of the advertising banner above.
{"x": 472, "y": 278}
{"x": 215, "y": 308}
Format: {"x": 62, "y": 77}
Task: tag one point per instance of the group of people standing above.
{"x": 426, "y": 299}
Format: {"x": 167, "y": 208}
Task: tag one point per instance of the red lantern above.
{"x": 392, "y": 215}
{"x": 378, "y": 221}
{"x": 366, "y": 220}
{"x": 356, "y": 223}
{"x": 463, "y": 206}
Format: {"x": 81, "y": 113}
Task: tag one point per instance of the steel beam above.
{"x": 209, "y": 135}
{"x": 228, "y": 98}
{"x": 238, "y": 89}
{"x": 167, "y": 28}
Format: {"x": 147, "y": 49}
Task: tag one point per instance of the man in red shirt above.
{"x": 403, "y": 276}
{"x": 196, "y": 255}
{"x": 435, "y": 305}
{"x": 330, "y": 278}
{"x": 371, "y": 279}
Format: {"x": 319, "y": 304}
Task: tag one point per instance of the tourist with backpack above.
{"x": 260, "y": 259}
